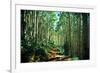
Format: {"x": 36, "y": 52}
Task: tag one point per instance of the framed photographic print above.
{"x": 50, "y": 36}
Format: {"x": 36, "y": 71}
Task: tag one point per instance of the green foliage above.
{"x": 42, "y": 31}
{"x": 75, "y": 58}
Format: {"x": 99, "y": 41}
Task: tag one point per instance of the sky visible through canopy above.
{"x": 56, "y": 22}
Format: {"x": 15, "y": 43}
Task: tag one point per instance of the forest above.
{"x": 54, "y": 36}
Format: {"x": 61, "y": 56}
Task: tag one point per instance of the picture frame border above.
{"x": 13, "y": 37}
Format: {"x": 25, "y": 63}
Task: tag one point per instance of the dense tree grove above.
{"x": 54, "y": 36}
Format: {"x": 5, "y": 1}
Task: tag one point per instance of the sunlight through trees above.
{"x": 54, "y": 36}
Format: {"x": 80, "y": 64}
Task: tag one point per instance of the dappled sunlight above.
{"x": 54, "y": 36}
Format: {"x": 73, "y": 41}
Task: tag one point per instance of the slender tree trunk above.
{"x": 81, "y": 37}
{"x": 70, "y": 52}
